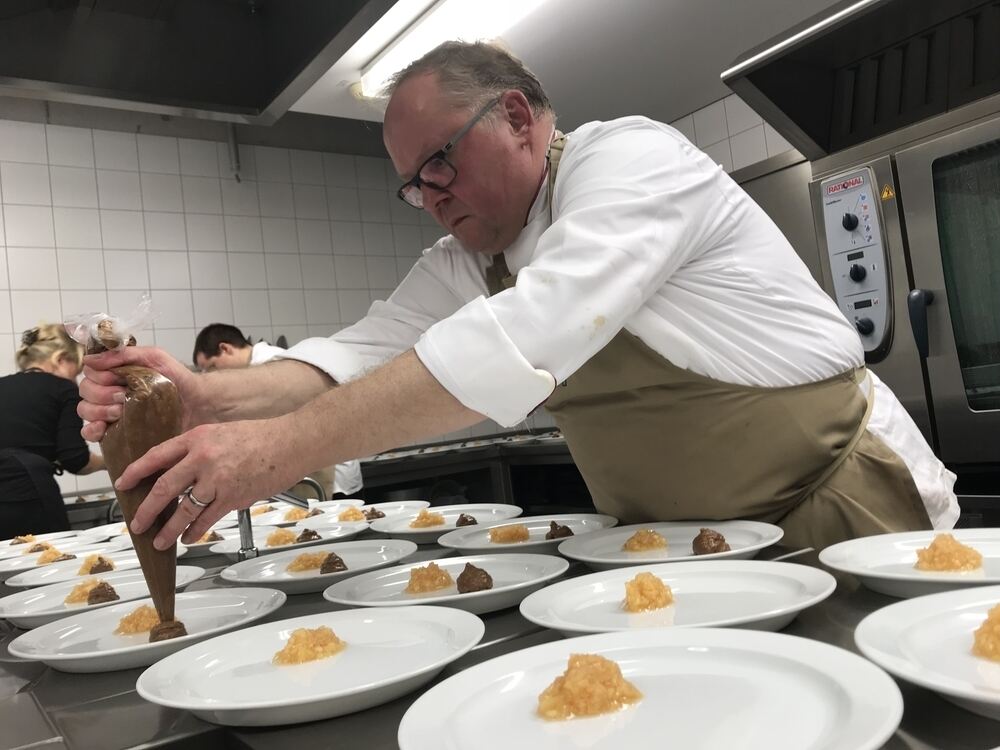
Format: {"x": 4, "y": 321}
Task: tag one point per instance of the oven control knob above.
{"x": 865, "y": 326}
{"x": 850, "y": 222}
{"x": 857, "y": 272}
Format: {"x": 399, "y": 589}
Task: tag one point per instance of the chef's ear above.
{"x": 517, "y": 111}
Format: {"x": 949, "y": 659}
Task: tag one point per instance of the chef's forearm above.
{"x": 397, "y": 404}
{"x": 268, "y": 390}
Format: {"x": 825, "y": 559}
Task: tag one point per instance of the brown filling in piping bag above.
{"x": 151, "y": 415}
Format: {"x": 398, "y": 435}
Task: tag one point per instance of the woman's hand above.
{"x": 103, "y": 392}
{"x": 228, "y": 466}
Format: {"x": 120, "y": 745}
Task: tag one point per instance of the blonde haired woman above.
{"x": 40, "y": 432}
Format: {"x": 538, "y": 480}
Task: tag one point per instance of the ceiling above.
{"x": 600, "y": 60}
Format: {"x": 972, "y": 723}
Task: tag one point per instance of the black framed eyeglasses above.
{"x": 437, "y": 172}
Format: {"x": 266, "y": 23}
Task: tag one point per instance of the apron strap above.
{"x": 498, "y": 276}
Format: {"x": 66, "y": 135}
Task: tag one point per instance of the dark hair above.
{"x": 472, "y": 73}
{"x": 211, "y": 337}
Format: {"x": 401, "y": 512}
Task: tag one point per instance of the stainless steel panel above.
{"x": 784, "y": 196}
{"x": 966, "y": 436}
{"x": 859, "y": 270}
{"x": 901, "y": 367}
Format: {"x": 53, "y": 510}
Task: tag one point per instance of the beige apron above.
{"x": 654, "y": 441}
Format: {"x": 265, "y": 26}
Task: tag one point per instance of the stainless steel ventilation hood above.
{"x": 243, "y": 61}
{"x": 869, "y": 67}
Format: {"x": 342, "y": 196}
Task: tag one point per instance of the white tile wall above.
{"x": 300, "y": 246}
{"x": 730, "y": 132}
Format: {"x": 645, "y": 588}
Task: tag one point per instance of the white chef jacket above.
{"x": 346, "y": 476}
{"x": 645, "y": 233}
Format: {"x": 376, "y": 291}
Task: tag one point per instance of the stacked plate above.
{"x": 702, "y": 688}
{"x": 604, "y": 549}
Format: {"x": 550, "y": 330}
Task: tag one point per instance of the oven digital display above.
{"x": 862, "y": 304}
{"x": 855, "y": 256}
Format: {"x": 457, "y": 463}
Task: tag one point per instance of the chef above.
{"x": 221, "y": 346}
{"x": 614, "y": 275}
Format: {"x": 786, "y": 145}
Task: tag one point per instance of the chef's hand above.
{"x": 228, "y": 466}
{"x": 103, "y": 392}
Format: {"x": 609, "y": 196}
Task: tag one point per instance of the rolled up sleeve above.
{"x": 474, "y": 359}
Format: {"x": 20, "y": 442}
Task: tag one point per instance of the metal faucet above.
{"x": 247, "y": 549}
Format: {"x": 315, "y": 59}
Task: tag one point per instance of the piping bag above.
{"x": 151, "y": 415}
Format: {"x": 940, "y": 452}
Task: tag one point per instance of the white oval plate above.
{"x": 204, "y": 549}
{"x": 11, "y": 566}
{"x": 470, "y": 540}
{"x": 67, "y": 570}
{"x": 359, "y": 557}
{"x": 398, "y": 526}
{"x": 277, "y": 517}
{"x": 87, "y": 642}
{"x": 326, "y": 521}
{"x": 514, "y": 577}
{"x": 928, "y": 640}
{"x": 231, "y": 547}
{"x": 714, "y": 593}
{"x": 703, "y": 689}
{"x": 884, "y": 563}
{"x": 66, "y": 542}
{"x": 231, "y": 680}
{"x": 6, "y": 548}
{"x": 395, "y": 508}
{"x": 34, "y": 607}
{"x": 106, "y": 531}
{"x": 602, "y": 550}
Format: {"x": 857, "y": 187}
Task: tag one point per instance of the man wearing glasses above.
{"x": 614, "y": 274}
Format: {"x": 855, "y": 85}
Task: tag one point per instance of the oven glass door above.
{"x": 967, "y": 205}
{"x": 950, "y": 194}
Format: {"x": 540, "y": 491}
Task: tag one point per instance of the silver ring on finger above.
{"x": 189, "y": 494}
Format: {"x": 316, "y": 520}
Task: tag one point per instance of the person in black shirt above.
{"x": 40, "y": 432}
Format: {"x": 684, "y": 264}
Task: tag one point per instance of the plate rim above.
{"x": 873, "y": 654}
{"x": 222, "y": 573}
{"x": 285, "y": 547}
{"x": 829, "y": 586}
{"x": 444, "y": 541}
{"x": 381, "y": 522}
{"x": 827, "y": 553}
{"x": 569, "y": 543}
{"x": 5, "y": 543}
{"x": 90, "y": 608}
{"x": 181, "y": 549}
{"x": 781, "y": 645}
{"x": 431, "y": 601}
{"x": 476, "y": 624}
{"x": 204, "y": 635}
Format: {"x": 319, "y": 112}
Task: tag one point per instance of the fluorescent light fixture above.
{"x": 444, "y": 20}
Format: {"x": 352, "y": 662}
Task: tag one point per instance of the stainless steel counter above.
{"x": 40, "y": 707}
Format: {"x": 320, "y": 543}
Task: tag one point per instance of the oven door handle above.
{"x": 917, "y": 302}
